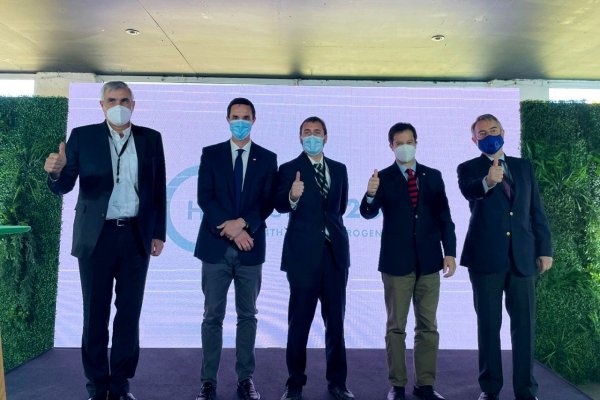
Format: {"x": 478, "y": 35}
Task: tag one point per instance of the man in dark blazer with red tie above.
{"x": 417, "y": 226}
{"x": 313, "y": 190}
{"x": 235, "y": 193}
{"x": 508, "y": 242}
{"x": 120, "y": 220}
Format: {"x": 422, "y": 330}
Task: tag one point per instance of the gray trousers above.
{"x": 216, "y": 279}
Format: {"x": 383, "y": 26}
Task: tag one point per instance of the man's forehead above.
{"x": 118, "y": 94}
{"x": 315, "y": 125}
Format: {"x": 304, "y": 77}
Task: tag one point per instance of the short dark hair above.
{"x": 401, "y": 127}
{"x": 241, "y": 100}
{"x": 314, "y": 119}
{"x": 485, "y": 117}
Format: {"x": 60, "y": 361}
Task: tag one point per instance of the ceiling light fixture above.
{"x": 132, "y": 32}
{"x": 438, "y": 38}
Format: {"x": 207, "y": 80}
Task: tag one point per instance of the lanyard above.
{"x": 119, "y": 154}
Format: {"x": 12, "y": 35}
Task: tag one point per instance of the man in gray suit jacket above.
{"x": 120, "y": 220}
{"x": 508, "y": 242}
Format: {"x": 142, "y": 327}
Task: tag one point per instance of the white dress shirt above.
{"x": 124, "y": 201}
{"x": 245, "y": 155}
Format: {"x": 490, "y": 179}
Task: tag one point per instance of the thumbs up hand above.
{"x": 297, "y": 188}
{"x": 495, "y": 173}
{"x": 56, "y": 161}
{"x": 373, "y": 184}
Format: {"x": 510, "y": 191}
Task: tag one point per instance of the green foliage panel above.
{"x": 563, "y": 142}
{"x": 30, "y": 128}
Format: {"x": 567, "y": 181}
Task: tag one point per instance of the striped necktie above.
{"x": 413, "y": 190}
{"x": 321, "y": 180}
{"x": 506, "y": 181}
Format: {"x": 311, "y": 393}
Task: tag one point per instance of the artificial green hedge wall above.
{"x": 563, "y": 142}
{"x": 30, "y": 128}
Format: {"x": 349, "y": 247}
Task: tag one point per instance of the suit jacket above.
{"x": 499, "y": 225}
{"x": 411, "y": 236}
{"x": 305, "y": 236}
{"x": 216, "y": 194}
{"x": 88, "y": 157}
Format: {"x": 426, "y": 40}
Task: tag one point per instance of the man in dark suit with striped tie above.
{"x": 416, "y": 226}
{"x": 508, "y": 242}
{"x": 313, "y": 190}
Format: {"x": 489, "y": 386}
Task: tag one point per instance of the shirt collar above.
{"x": 403, "y": 168}
{"x": 235, "y": 148}
{"x": 502, "y": 157}
{"x": 115, "y": 135}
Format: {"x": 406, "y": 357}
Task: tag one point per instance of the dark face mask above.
{"x": 491, "y": 144}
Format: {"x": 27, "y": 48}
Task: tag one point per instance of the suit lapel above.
{"x": 140, "y": 148}
{"x": 225, "y": 166}
{"x": 421, "y": 184}
{"x": 103, "y": 145}
{"x": 400, "y": 182}
{"x": 252, "y": 170}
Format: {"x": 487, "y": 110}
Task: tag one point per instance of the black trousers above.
{"x": 117, "y": 261}
{"x": 519, "y": 294}
{"x": 328, "y": 286}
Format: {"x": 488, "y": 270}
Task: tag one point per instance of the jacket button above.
{"x": 507, "y": 233}
{"x": 511, "y": 213}
{"x": 416, "y": 215}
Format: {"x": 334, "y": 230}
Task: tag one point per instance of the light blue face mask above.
{"x": 240, "y": 128}
{"x": 313, "y": 145}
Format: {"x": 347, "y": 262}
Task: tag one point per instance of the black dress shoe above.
{"x": 292, "y": 393}
{"x": 488, "y": 396}
{"x": 340, "y": 392}
{"x": 127, "y": 396}
{"x": 208, "y": 391}
{"x": 247, "y": 391}
{"x": 396, "y": 393}
{"x": 426, "y": 392}
{"x": 102, "y": 396}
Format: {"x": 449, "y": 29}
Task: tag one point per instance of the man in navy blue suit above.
{"x": 508, "y": 242}
{"x": 235, "y": 184}
{"x": 120, "y": 220}
{"x": 313, "y": 189}
{"x": 416, "y": 225}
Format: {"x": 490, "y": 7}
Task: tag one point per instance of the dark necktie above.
{"x": 506, "y": 182}
{"x": 321, "y": 180}
{"x": 238, "y": 176}
{"x": 413, "y": 190}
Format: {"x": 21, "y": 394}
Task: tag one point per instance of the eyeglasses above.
{"x": 483, "y": 134}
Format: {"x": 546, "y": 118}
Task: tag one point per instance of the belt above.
{"x": 125, "y": 221}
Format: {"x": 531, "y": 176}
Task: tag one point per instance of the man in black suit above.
{"x": 416, "y": 219}
{"x": 235, "y": 185}
{"x": 120, "y": 220}
{"x": 507, "y": 243}
{"x": 313, "y": 189}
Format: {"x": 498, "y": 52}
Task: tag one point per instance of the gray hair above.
{"x": 114, "y": 85}
{"x": 485, "y": 117}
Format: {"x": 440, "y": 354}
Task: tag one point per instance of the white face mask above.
{"x": 118, "y": 115}
{"x": 405, "y": 153}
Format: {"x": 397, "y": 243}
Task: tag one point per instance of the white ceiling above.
{"x": 309, "y": 39}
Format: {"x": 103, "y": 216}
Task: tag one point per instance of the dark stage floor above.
{"x": 175, "y": 374}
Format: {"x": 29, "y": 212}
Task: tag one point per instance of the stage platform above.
{"x": 166, "y": 374}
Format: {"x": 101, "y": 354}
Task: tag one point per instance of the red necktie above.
{"x": 413, "y": 190}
